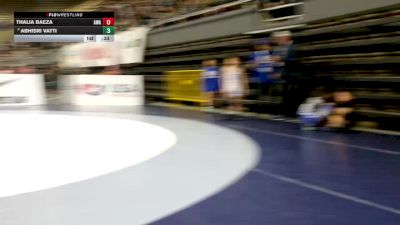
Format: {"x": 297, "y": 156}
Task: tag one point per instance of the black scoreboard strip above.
{"x": 64, "y": 26}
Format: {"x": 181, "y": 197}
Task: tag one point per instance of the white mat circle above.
{"x": 40, "y": 151}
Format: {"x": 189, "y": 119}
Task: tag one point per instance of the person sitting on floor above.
{"x": 313, "y": 112}
{"x": 341, "y": 116}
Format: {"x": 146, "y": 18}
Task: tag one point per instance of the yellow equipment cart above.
{"x": 185, "y": 86}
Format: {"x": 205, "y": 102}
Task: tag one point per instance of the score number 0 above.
{"x": 108, "y": 21}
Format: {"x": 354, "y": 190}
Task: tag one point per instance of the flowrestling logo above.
{"x": 110, "y": 89}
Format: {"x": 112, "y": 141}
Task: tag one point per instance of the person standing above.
{"x": 262, "y": 66}
{"x": 287, "y": 67}
{"x": 234, "y": 83}
{"x": 210, "y": 81}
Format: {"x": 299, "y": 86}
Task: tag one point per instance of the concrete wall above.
{"x": 226, "y": 24}
{"x": 245, "y": 20}
{"x": 321, "y": 9}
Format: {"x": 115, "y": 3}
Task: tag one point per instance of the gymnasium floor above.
{"x": 205, "y": 171}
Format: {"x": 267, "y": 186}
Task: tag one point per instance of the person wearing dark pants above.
{"x": 288, "y": 67}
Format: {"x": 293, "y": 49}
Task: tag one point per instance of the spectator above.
{"x": 234, "y": 83}
{"x": 288, "y": 68}
{"x": 26, "y": 70}
{"x": 343, "y": 112}
{"x": 6, "y": 70}
{"x": 262, "y": 66}
{"x": 112, "y": 70}
{"x": 210, "y": 81}
{"x": 283, "y": 51}
{"x": 314, "y": 112}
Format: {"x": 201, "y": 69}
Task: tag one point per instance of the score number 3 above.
{"x": 108, "y": 30}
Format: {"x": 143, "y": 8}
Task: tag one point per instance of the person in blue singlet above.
{"x": 210, "y": 81}
{"x": 263, "y": 66}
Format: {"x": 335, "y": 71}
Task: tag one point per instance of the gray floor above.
{"x": 205, "y": 160}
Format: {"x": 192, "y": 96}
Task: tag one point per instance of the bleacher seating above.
{"x": 360, "y": 54}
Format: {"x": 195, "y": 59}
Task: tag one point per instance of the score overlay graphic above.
{"x": 64, "y": 26}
